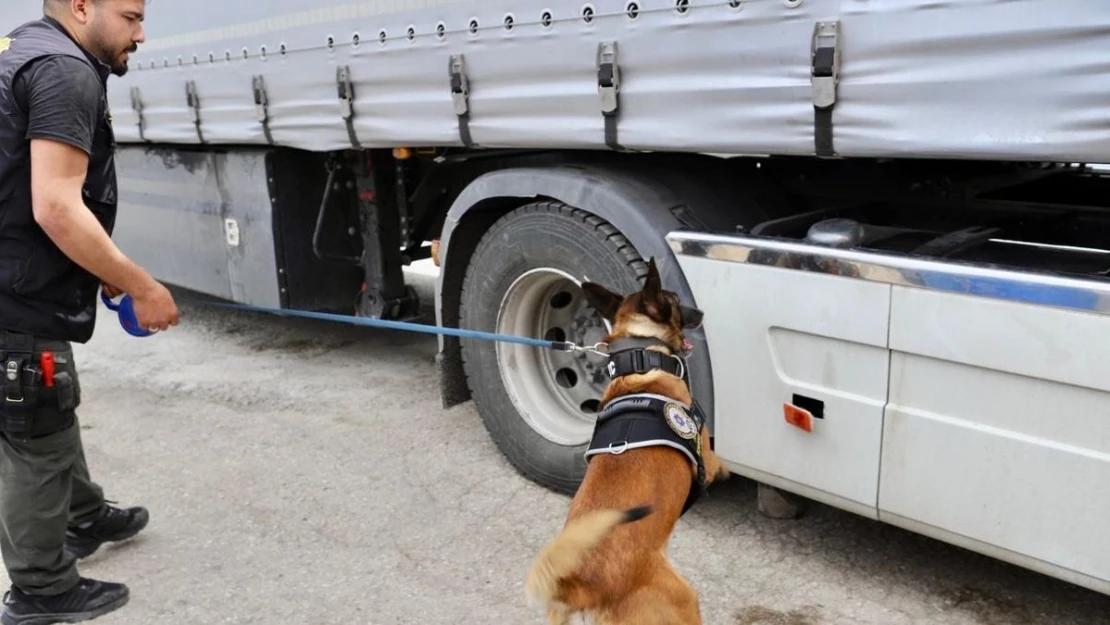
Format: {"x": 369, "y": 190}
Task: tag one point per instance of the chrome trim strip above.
{"x": 1044, "y": 289}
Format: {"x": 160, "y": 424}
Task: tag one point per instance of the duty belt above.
{"x": 35, "y": 402}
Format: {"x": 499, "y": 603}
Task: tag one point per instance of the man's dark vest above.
{"x": 43, "y": 292}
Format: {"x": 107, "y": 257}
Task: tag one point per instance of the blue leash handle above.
{"x": 126, "y": 311}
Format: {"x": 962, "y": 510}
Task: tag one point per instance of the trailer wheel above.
{"x": 538, "y": 404}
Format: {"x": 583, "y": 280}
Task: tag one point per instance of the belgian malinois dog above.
{"x": 649, "y": 459}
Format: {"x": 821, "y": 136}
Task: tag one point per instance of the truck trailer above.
{"x": 894, "y": 214}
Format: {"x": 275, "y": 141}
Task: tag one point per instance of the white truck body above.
{"x": 967, "y": 399}
{"x": 971, "y": 404}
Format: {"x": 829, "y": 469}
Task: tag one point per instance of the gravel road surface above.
{"x": 305, "y": 472}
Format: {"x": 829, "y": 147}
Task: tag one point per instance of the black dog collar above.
{"x": 629, "y": 356}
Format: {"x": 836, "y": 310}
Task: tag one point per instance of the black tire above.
{"x": 539, "y": 235}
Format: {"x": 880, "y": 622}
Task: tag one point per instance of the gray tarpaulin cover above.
{"x": 1007, "y": 79}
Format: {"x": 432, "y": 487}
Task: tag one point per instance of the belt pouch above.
{"x": 20, "y": 394}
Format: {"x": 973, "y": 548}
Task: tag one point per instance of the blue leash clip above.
{"x": 126, "y": 311}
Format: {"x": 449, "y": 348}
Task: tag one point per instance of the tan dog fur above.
{"x": 608, "y": 562}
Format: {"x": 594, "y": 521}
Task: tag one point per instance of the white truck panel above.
{"x": 773, "y": 333}
{"x": 1020, "y": 80}
{"x": 1004, "y": 403}
{"x": 994, "y": 433}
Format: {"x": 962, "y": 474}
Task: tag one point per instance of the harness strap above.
{"x": 647, "y": 420}
{"x": 624, "y": 344}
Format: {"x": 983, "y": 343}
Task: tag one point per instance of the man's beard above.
{"x": 119, "y": 68}
{"x": 112, "y": 60}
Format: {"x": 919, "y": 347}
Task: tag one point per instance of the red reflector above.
{"x": 798, "y": 417}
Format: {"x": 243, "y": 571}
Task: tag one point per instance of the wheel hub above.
{"x": 590, "y": 330}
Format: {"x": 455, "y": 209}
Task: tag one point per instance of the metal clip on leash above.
{"x": 601, "y": 349}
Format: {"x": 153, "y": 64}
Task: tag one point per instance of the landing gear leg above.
{"x": 776, "y": 504}
{"x": 384, "y": 294}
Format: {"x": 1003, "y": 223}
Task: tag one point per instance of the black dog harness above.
{"x": 648, "y": 420}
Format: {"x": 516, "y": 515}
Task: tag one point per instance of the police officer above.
{"x": 57, "y": 212}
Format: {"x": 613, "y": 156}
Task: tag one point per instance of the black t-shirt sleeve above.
{"x": 62, "y": 99}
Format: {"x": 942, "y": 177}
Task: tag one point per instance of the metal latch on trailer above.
{"x": 824, "y": 78}
{"x": 460, "y": 96}
{"x": 261, "y": 105}
{"x": 608, "y": 89}
{"x": 193, "y": 100}
{"x": 137, "y": 106}
{"x": 345, "y": 90}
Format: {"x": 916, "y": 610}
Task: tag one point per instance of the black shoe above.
{"x": 87, "y": 600}
{"x": 110, "y": 525}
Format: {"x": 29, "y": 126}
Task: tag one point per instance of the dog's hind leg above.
{"x": 667, "y": 600}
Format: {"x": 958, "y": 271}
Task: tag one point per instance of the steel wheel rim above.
{"x": 556, "y": 393}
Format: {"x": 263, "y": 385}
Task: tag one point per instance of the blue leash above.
{"x": 126, "y": 312}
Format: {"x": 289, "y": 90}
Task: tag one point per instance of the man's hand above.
{"x": 155, "y": 309}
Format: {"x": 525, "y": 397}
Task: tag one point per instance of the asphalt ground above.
{"x": 305, "y": 472}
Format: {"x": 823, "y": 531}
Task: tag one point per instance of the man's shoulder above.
{"x": 61, "y": 67}
{"x": 62, "y": 75}
{"x": 64, "y": 101}
{"x": 38, "y": 37}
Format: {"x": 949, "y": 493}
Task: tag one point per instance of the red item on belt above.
{"x": 47, "y": 362}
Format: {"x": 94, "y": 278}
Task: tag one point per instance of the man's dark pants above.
{"x": 44, "y": 485}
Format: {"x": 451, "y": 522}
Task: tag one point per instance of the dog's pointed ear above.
{"x": 653, "y": 284}
{"x": 602, "y": 299}
{"x": 691, "y": 317}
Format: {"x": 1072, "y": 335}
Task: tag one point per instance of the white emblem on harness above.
{"x": 679, "y": 421}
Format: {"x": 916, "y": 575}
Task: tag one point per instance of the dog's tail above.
{"x": 562, "y": 556}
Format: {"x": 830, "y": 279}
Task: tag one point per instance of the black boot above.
{"x": 111, "y": 524}
{"x": 87, "y": 600}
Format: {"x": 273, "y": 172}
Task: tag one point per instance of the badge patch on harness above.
{"x": 679, "y": 421}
